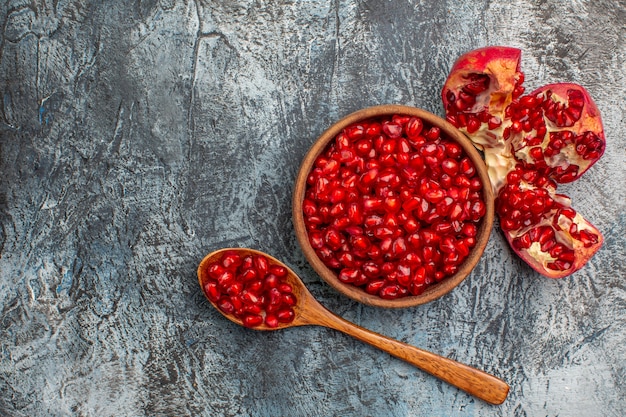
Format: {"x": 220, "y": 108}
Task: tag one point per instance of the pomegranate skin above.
{"x": 542, "y": 227}
{"x": 531, "y": 143}
{"x": 584, "y": 254}
{"x": 501, "y": 64}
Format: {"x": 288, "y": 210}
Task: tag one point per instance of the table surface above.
{"x": 136, "y": 138}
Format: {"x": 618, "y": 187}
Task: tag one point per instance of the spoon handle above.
{"x": 471, "y": 380}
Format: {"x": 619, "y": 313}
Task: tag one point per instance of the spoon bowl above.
{"x": 305, "y": 299}
{"x": 308, "y": 311}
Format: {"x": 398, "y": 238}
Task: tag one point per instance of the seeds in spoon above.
{"x": 250, "y": 288}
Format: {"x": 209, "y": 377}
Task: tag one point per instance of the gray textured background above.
{"x": 135, "y": 138}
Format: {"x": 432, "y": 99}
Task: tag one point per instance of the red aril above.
{"x": 251, "y": 289}
{"x": 397, "y": 206}
{"x": 531, "y": 143}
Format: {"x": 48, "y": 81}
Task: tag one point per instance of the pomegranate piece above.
{"x": 251, "y": 289}
{"x": 531, "y": 144}
{"x": 392, "y": 206}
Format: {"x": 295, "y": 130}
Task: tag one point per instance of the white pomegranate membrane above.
{"x": 251, "y": 289}
{"x": 393, "y": 206}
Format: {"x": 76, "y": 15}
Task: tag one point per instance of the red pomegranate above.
{"x": 531, "y": 143}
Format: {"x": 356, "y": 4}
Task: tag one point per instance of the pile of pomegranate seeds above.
{"x": 393, "y": 206}
{"x": 250, "y": 288}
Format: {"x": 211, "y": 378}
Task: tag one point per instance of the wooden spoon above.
{"x": 308, "y": 311}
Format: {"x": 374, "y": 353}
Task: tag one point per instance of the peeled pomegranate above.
{"x": 531, "y": 143}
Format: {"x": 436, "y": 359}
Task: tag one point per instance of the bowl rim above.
{"x": 434, "y": 291}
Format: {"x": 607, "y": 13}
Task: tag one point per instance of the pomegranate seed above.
{"x": 274, "y": 296}
{"x": 289, "y": 299}
{"x": 373, "y": 129}
{"x": 371, "y": 269}
{"x": 247, "y": 262}
{"x": 462, "y": 181}
{"x": 399, "y": 247}
{"x": 278, "y": 270}
{"x": 271, "y": 320}
{"x": 392, "y": 130}
{"x": 255, "y": 286}
{"x": 429, "y": 149}
{"x": 237, "y": 303}
{"x": 469, "y": 229}
{"x": 235, "y": 288}
{"x": 225, "y": 279}
{"x": 403, "y": 277}
{"x": 450, "y": 166}
{"x": 249, "y": 297}
{"x": 226, "y": 305}
{"x": 400, "y": 119}
{"x": 262, "y": 265}
{"x": 453, "y": 150}
{"x": 392, "y": 204}
{"x": 252, "y": 308}
{"x": 285, "y": 288}
{"x": 354, "y": 132}
{"x": 433, "y": 133}
{"x": 434, "y": 195}
{"x": 463, "y": 249}
{"x": 271, "y": 282}
{"x": 231, "y": 259}
{"x": 389, "y": 292}
{"x": 447, "y": 245}
{"x": 348, "y": 275}
{"x": 588, "y": 238}
{"x": 248, "y": 275}
{"x": 211, "y": 290}
{"x": 333, "y": 238}
{"x": 429, "y": 237}
{"x": 285, "y": 315}
{"x": 411, "y": 225}
{"x": 372, "y": 204}
{"x": 414, "y": 127}
{"x": 494, "y": 123}
{"x": 252, "y": 320}
{"x": 478, "y": 210}
{"x": 470, "y": 242}
{"x": 374, "y": 287}
{"x": 360, "y": 243}
{"x": 215, "y": 270}
{"x": 473, "y": 124}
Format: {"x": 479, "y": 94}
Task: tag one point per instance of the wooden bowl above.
{"x": 434, "y": 291}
